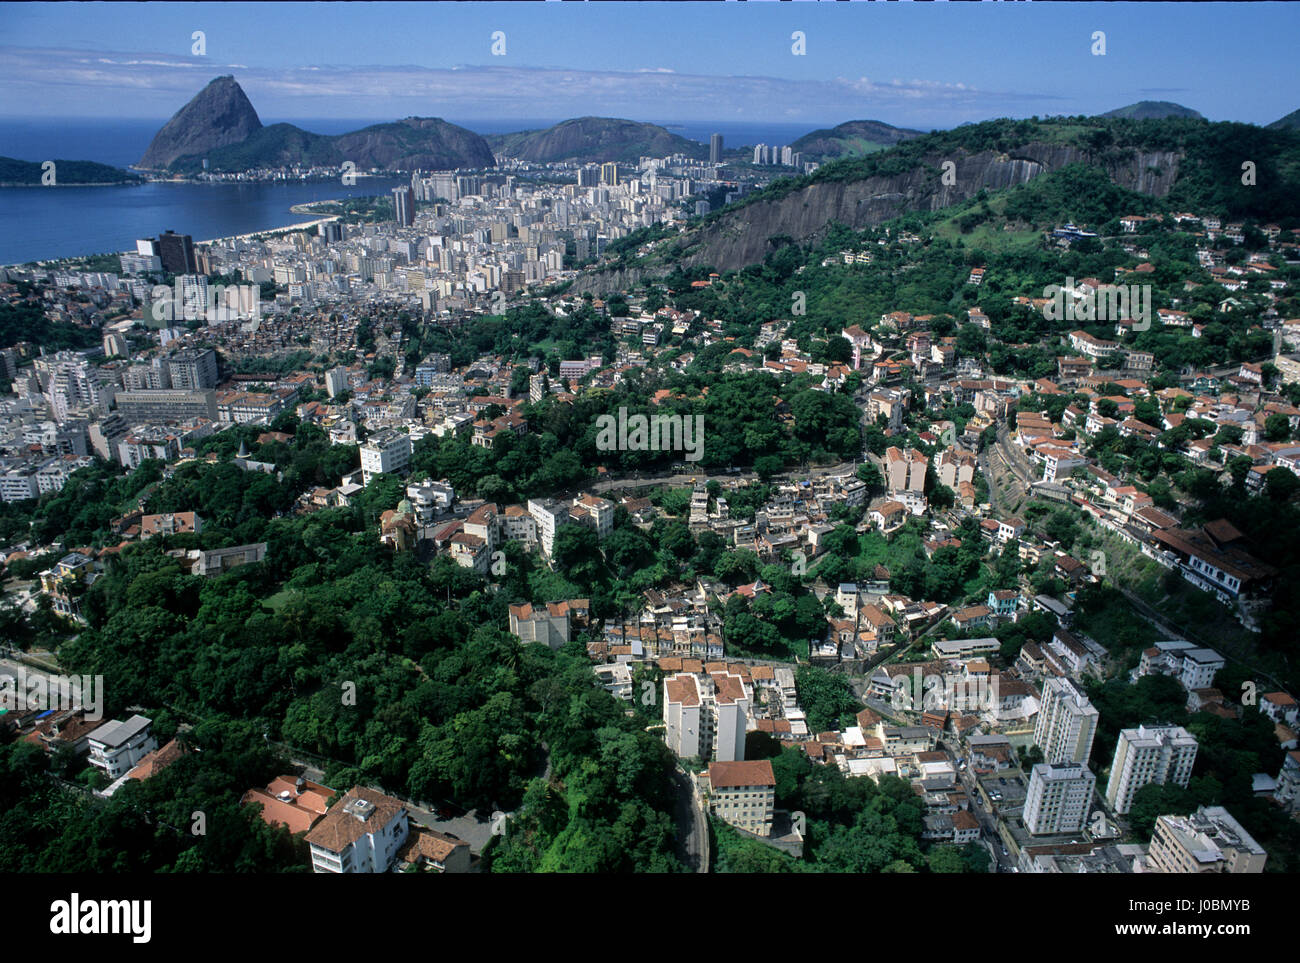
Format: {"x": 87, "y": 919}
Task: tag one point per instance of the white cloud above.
{"x": 145, "y": 84}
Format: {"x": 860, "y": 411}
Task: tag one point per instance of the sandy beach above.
{"x": 288, "y": 228}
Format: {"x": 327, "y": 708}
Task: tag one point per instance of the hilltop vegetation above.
{"x": 1153, "y": 110}
{"x": 592, "y": 140}
{"x": 851, "y": 137}
{"x": 21, "y": 173}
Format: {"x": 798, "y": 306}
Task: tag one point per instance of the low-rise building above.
{"x": 116, "y": 747}
{"x": 361, "y": 833}
{"x": 742, "y": 794}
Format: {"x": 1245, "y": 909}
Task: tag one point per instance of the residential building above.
{"x": 361, "y": 833}
{"x": 66, "y": 583}
{"x": 549, "y": 515}
{"x": 116, "y": 747}
{"x": 176, "y": 251}
{"x": 385, "y": 452}
{"x": 1210, "y": 840}
{"x": 166, "y": 405}
{"x": 706, "y": 715}
{"x": 1159, "y": 754}
{"x": 1059, "y": 798}
{"x": 742, "y": 794}
{"x": 296, "y": 803}
{"x": 1066, "y": 723}
{"x": 548, "y": 625}
{"x": 1192, "y": 665}
{"x": 336, "y": 381}
{"x": 193, "y": 370}
{"x": 433, "y": 851}
{"x": 179, "y": 523}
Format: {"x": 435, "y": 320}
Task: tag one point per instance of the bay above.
{"x": 40, "y": 223}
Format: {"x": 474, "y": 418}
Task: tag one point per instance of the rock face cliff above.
{"x": 220, "y": 114}
{"x": 739, "y": 238}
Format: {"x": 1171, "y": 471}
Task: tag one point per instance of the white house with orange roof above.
{"x": 361, "y": 833}
{"x": 1280, "y": 707}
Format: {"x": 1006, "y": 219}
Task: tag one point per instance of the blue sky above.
{"x": 918, "y": 65}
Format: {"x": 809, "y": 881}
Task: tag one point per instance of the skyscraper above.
{"x": 1067, "y": 723}
{"x": 609, "y": 173}
{"x": 404, "y": 206}
{"x": 715, "y": 149}
{"x": 177, "y": 253}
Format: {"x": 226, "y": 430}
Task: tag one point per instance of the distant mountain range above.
{"x": 220, "y": 126}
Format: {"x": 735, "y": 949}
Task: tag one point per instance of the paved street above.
{"x": 692, "y": 827}
{"x": 988, "y": 822}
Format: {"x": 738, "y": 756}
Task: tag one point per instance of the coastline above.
{"x": 305, "y": 225}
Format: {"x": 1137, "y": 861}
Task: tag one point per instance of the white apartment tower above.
{"x": 1059, "y": 798}
{"x": 336, "y": 381}
{"x": 706, "y": 716}
{"x": 1159, "y": 754}
{"x": 1067, "y": 723}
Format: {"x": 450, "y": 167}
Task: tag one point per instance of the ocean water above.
{"x": 38, "y": 223}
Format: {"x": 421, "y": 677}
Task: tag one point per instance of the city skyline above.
{"x": 909, "y": 65}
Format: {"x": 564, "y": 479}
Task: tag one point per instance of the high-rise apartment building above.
{"x": 609, "y": 173}
{"x": 194, "y": 369}
{"x": 336, "y": 381}
{"x": 404, "y": 206}
{"x": 1066, "y": 724}
{"x": 1159, "y": 754}
{"x": 715, "y": 149}
{"x": 706, "y": 715}
{"x": 166, "y": 405}
{"x": 176, "y": 252}
{"x": 72, "y": 383}
{"x": 1059, "y": 798}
